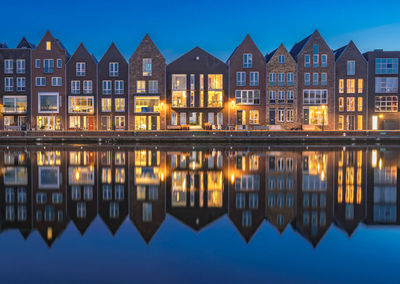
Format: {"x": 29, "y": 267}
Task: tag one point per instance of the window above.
{"x": 281, "y": 59}
{"x": 80, "y": 104}
{"x": 147, "y": 104}
{"x": 48, "y": 45}
{"x": 360, "y": 86}
{"x": 290, "y": 79}
{"x": 359, "y": 122}
{"x": 254, "y": 81}
{"x": 315, "y": 97}
{"x": 315, "y": 79}
{"x": 272, "y": 97}
{"x": 281, "y": 97}
{"x": 351, "y": 67}
{"x": 37, "y": 63}
{"x": 20, "y": 84}
{"x": 8, "y": 66}
{"x": 324, "y": 60}
{"x": 290, "y": 115}
{"x": 247, "y": 60}
{"x": 281, "y": 79}
{"x": 386, "y": 104}
{"x": 106, "y": 87}
{"x": 351, "y": 88}
{"x": 59, "y": 63}
{"x": 351, "y": 104}
{"x": 153, "y": 87}
{"x": 254, "y": 117}
{"x": 360, "y": 104}
{"x": 40, "y": 81}
{"x": 120, "y": 122}
{"x": 119, "y": 105}
{"x": 48, "y": 103}
{"x": 48, "y": 65}
{"x": 386, "y": 85}
{"x": 240, "y": 78}
{"x": 106, "y": 105}
{"x": 14, "y": 104}
{"x": 179, "y": 90}
{"x": 8, "y": 84}
{"x": 272, "y": 79}
{"x": 306, "y": 60}
{"x": 113, "y": 69}
{"x": 386, "y": 65}
{"x": 281, "y": 115}
{"x": 75, "y": 87}
{"x": 119, "y": 87}
{"x": 341, "y": 122}
{"x": 80, "y": 69}
{"x": 20, "y": 66}
{"x": 56, "y": 81}
{"x": 249, "y": 97}
{"x": 56, "y": 198}
{"x": 315, "y": 55}
{"x": 323, "y": 79}
{"x": 290, "y": 97}
{"x": 341, "y": 104}
{"x": 307, "y": 79}
{"x": 341, "y": 86}
{"x": 215, "y": 90}
{"x": 147, "y": 65}
{"x": 87, "y": 87}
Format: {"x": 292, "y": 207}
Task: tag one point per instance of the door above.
{"x": 105, "y": 123}
{"x": 306, "y": 118}
{"x": 272, "y": 116}
{"x": 211, "y": 118}
{"x": 350, "y": 122}
{"x": 239, "y": 117}
{"x": 91, "y": 123}
{"x": 154, "y": 123}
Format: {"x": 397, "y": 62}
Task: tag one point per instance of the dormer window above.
{"x": 48, "y": 45}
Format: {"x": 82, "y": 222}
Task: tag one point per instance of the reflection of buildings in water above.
{"x": 49, "y": 193}
{"x": 113, "y": 188}
{"x": 314, "y": 196}
{"x": 350, "y": 189}
{"x": 15, "y": 192}
{"x": 196, "y": 192}
{"x": 281, "y": 185}
{"x": 82, "y": 188}
{"x": 147, "y": 191}
{"x": 247, "y": 191}
{"x": 383, "y": 185}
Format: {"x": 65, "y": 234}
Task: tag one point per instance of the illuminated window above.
{"x": 247, "y": 97}
{"x": 106, "y": 105}
{"x": 178, "y": 90}
{"x": 359, "y": 104}
{"x": 254, "y": 117}
{"x": 119, "y": 122}
{"x": 350, "y": 104}
{"x": 140, "y": 87}
{"x": 120, "y": 175}
{"x": 341, "y": 104}
{"x": 48, "y": 45}
{"x": 360, "y": 122}
{"x": 120, "y": 105}
{"x": 106, "y": 175}
{"x": 351, "y": 88}
{"x": 281, "y": 115}
{"x": 147, "y": 104}
{"x": 360, "y": 86}
{"x": 341, "y": 122}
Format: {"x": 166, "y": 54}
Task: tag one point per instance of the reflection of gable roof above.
{"x": 113, "y": 225}
{"x": 196, "y": 219}
{"x": 313, "y": 241}
{"x": 347, "y": 227}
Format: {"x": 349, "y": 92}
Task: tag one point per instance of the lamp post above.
{"x": 323, "y": 116}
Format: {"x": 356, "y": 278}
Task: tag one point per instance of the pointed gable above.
{"x": 247, "y": 45}
{"x": 25, "y": 44}
{"x": 146, "y": 48}
{"x": 298, "y": 47}
{"x": 55, "y": 44}
{"x": 349, "y": 49}
{"x": 81, "y": 53}
{"x": 281, "y": 50}
{"x": 114, "y": 54}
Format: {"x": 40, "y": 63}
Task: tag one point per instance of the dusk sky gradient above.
{"x": 216, "y": 26}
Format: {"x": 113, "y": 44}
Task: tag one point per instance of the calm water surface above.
{"x": 199, "y": 214}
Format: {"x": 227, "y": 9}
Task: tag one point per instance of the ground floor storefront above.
{"x": 15, "y": 122}
{"x": 198, "y": 120}
{"x": 147, "y": 122}
{"x": 315, "y": 117}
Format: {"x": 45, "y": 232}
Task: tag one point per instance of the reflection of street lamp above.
{"x": 323, "y": 116}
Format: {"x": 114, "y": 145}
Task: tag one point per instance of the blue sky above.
{"x": 217, "y": 26}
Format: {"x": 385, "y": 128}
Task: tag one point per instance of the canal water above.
{"x": 199, "y": 214}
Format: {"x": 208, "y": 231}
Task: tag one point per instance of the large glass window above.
{"x": 215, "y": 86}
{"x": 247, "y": 97}
{"x": 315, "y": 97}
{"x": 179, "y": 90}
{"x": 120, "y": 105}
{"x": 14, "y": 104}
{"x": 386, "y": 104}
{"x": 106, "y": 105}
{"x": 81, "y": 104}
{"x": 48, "y": 65}
{"x": 48, "y": 103}
{"x": 386, "y": 65}
{"x": 147, "y": 104}
{"x": 386, "y": 85}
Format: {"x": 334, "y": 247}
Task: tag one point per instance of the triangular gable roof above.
{"x": 269, "y": 56}
{"x": 82, "y": 48}
{"x": 247, "y": 38}
{"x": 57, "y": 41}
{"x": 298, "y": 47}
{"x": 24, "y": 43}
{"x": 195, "y": 50}
{"x": 110, "y": 49}
{"x": 338, "y": 52}
{"x": 146, "y": 40}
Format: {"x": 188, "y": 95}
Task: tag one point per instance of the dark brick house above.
{"x": 281, "y": 89}
{"x": 197, "y": 91}
{"x": 247, "y": 87}
{"x": 383, "y": 90}
{"x": 316, "y": 77}
{"x": 147, "y": 102}
{"x": 112, "y": 96}
{"x": 351, "y": 88}
{"x": 15, "y": 78}
{"x": 82, "y": 90}
{"x": 49, "y": 107}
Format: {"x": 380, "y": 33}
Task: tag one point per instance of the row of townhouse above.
{"x": 310, "y": 87}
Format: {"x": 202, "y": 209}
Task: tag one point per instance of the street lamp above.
{"x": 323, "y": 116}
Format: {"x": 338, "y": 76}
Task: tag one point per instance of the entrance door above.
{"x": 91, "y": 123}
{"x": 105, "y": 123}
{"x": 239, "y": 117}
{"x": 154, "y": 123}
{"x": 306, "y": 118}
{"x": 272, "y": 116}
{"x": 350, "y": 122}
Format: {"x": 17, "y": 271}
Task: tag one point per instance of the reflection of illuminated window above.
{"x": 147, "y": 175}
{"x": 15, "y": 176}
{"x": 120, "y": 175}
{"x": 215, "y": 189}
{"x": 179, "y": 188}
{"x": 141, "y": 193}
{"x": 50, "y": 158}
{"x": 119, "y": 158}
{"x": 253, "y": 162}
{"x": 140, "y": 158}
{"x": 106, "y": 175}
{"x": 81, "y": 175}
